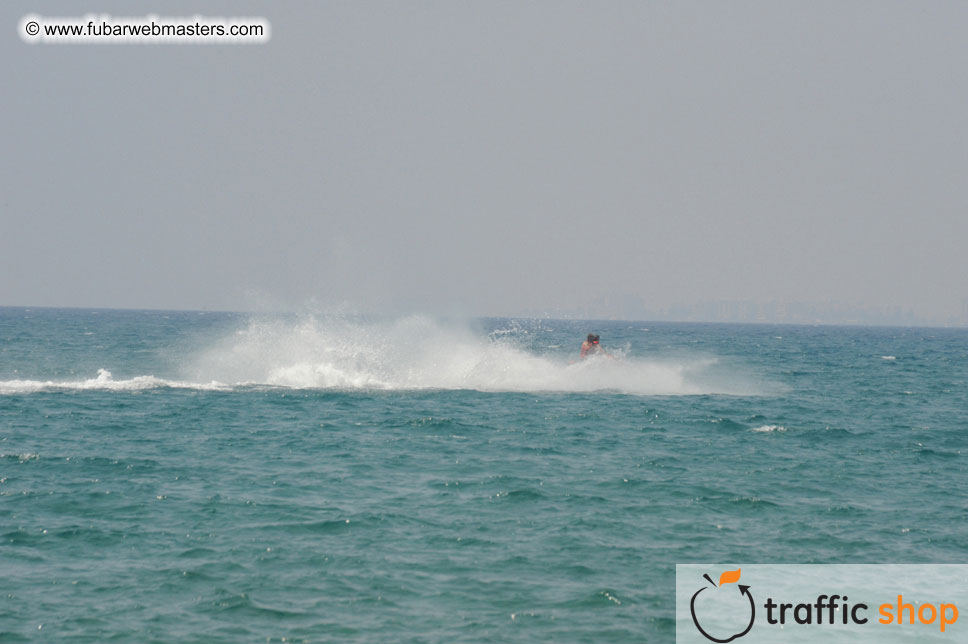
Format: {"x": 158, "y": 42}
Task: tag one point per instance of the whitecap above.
{"x": 421, "y": 353}
{"x": 103, "y": 381}
{"x": 769, "y": 428}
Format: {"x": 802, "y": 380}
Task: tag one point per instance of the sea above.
{"x": 172, "y": 476}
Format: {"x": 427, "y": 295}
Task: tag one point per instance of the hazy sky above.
{"x": 493, "y": 158}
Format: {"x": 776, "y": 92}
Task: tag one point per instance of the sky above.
{"x": 596, "y": 159}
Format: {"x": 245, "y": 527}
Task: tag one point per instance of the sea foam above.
{"x": 411, "y": 353}
{"x": 421, "y": 353}
{"x": 103, "y": 381}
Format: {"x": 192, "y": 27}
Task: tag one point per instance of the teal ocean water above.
{"x": 202, "y": 477}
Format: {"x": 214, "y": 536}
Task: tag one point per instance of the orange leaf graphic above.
{"x": 729, "y": 577}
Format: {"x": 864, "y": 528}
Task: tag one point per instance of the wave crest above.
{"x": 104, "y": 381}
{"x": 412, "y": 353}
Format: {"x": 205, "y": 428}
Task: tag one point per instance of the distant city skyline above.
{"x": 748, "y": 311}
{"x": 834, "y": 313}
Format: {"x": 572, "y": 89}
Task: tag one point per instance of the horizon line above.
{"x": 924, "y": 325}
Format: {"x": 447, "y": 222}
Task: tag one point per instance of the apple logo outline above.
{"x": 744, "y": 590}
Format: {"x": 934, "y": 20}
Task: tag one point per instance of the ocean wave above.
{"x": 103, "y": 381}
{"x": 413, "y": 353}
{"x": 421, "y": 353}
{"x": 766, "y": 429}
